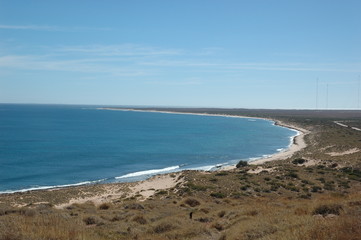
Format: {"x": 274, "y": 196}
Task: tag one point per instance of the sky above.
{"x": 190, "y": 53}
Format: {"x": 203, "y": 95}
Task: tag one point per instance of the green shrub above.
{"x": 299, "y": 161}
{"x": 316, "y": 189}
{"x": 213, "y": 180}
{"x": 197, "y": 187}
{"x": 222, "y": 174}
{"x": 218, "y": 195}
{"x": 162, "y": 192}
{"x": 292, "y": 175}
{"x": 241, "y": 164}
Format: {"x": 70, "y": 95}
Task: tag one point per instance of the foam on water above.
{"x": 149, "y": 172}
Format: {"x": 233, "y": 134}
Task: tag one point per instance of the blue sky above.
{"x": 248, "y": 54}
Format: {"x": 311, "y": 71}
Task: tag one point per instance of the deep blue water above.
{"x": 53, "y": 145}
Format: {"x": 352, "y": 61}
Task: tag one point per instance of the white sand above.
{"x": 149, "y": 187}
{"x": 350, "y": 151}
{"x": 111, "y": 192}
{"x": 115, "y": 191}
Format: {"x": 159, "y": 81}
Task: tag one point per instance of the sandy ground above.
{"x": 111, "y": 192}
{"x": 148, "y": 187}
{"x": 144, "y": 189}
{"x": 350, "y": 151}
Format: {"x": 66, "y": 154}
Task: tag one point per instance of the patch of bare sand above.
{"x": 350, "y": 151}
{"x": 311, "y": 162}
{"x": 110, "y": 192}
{"x": 149, "y": 187}
{"x": 144, "y": 188}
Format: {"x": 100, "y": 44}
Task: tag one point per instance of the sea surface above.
{"x": 47, "y": 146}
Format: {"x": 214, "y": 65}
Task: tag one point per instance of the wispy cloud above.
{"x": 51, "y": 28}
{"x": 181, "y": 82}
{"x": 120, "y": 50}
{"x": 141, "y": 60}
{"x": 253, "y": 66}
{"x": 76, "y": 65}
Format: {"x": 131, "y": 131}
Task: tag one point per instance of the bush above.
{"x": 134, "y": 206}
{"x": 192, "y": 202}
{"x": 162, "y": 192}
{"x": 197, "y": 187}
{"x": 299, "y": 161}
{"x": 218, "y": 226}
{"x": 140, "y": 219}
{"x": 221, "y": 213}
{"x": 163, "y": 227}
{"x": 104, "y": 206}
{"x": 316, "y": 189}
{"x": 324, "y": 210}
{"x": 90, "y": 220}
{"x": 292, "y": 175}
{"x": 218, "y": 195}
{"x": 241, "y": 164}
{"x": 222, "y": 174}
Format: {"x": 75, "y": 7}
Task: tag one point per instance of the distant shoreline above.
{"x": 297, "y": 143}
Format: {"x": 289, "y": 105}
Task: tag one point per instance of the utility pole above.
{"x": 358, "y": 93}
{"x": 327, "y": 96}
{"x": 317, "y": 94}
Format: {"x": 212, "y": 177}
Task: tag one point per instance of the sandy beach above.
{"x": 297, "y": 144}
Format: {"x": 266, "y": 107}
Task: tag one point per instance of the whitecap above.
{"x": 148, "y": 172}
{"x": 52, "y": 187}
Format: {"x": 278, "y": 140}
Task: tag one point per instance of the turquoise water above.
{"x": 45, "y": 146}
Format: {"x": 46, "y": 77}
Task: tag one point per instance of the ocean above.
{"x": 47, "y": 146}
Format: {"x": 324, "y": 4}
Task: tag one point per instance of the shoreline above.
{"x": 297, "y": 142}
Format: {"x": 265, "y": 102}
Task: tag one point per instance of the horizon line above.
{"x": 182, "y": 107}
